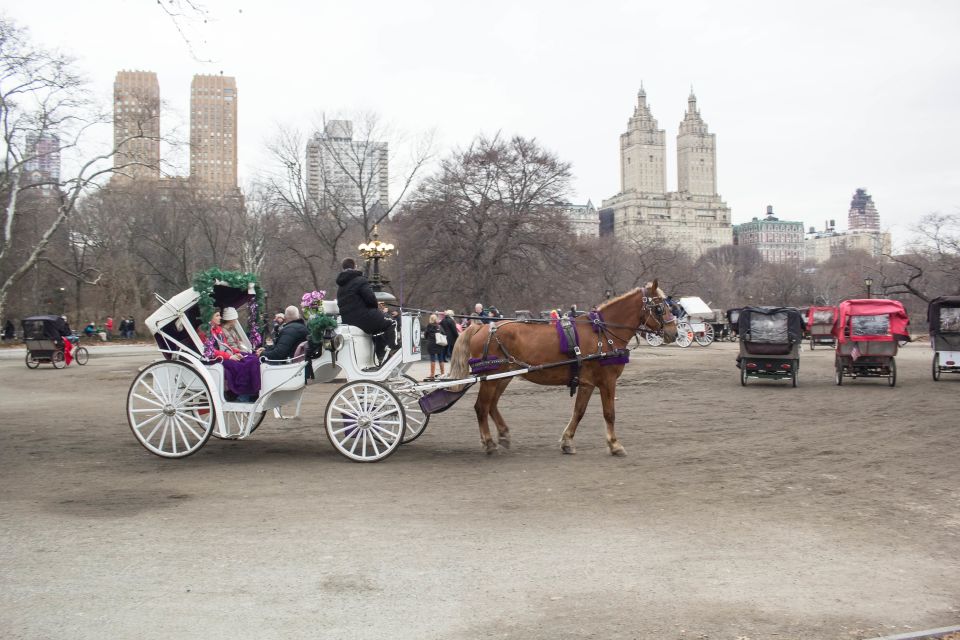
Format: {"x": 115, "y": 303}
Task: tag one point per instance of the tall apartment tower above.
{"x": 863, "y": 214}
{"x": 43, "y": 159}
{"x": 643, "y": 152}
{"x": 136, "y": 124}
{"x": 696, "y": 154}
{"x": 693, "y": 218}
{"x": 213, "y": 133}
{"x": 344, "y": 173}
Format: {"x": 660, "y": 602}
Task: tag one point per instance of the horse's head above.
{"x": 657, "y": 315}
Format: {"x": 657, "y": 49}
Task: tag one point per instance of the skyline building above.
{"x": 43, "y": 159}
{"x": 346, "y": 174}
{"x": 863, "y": 215}
{"x": 213, "y": 133}
{"x": 863, "y": 233}
{"x": 778, "y": 241}
{"x": 694, "y": 218}
{"x": 584, "y": 219}
{"x": 136, "y": 124}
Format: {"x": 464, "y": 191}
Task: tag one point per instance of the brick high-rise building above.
{"x": 344, "y": 173}
{"x": 213, "y": 133}
{"x": 136, "y": 124}
{"x": 42, "y": 164}
{"x": 863, "y": 214}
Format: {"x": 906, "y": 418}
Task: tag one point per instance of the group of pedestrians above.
{"x": 442, "y": 331}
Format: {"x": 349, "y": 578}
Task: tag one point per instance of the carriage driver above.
{"x": 358, "y": 307}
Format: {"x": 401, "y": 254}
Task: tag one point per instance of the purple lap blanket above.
{"x": 243, "y": 376}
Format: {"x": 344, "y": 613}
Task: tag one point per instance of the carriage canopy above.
{"x": 821, "y": 315}
{"x": 772, "y": 325}
{"x": 695, "y": 307}
{"x": 44, "y": 328}
{"x": 943, "y": 315}
{"x": 733, "y": 315}
{"x": 871, "y": 320}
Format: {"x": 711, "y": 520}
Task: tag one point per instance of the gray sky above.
{"x": 809, "y": 100}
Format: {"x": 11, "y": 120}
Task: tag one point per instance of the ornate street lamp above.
{"x": 373, "y": 252}
{"x": 868, "y": 281}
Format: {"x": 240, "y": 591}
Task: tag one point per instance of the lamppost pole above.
{"x": 868, "y": 281}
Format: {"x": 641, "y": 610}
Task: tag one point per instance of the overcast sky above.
{"x": 809, "y": 100}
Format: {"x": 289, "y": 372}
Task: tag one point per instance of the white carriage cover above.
{"x": 695, "y": 307}
{"x": 170, "y": 310}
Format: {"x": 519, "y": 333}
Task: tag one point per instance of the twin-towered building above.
{"x": 213, "y": 129}
{"x": 693, "y": 218}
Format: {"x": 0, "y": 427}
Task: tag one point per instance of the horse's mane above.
{"x": 627, "y": 295}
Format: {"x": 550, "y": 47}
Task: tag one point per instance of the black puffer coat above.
{"x": 291, "y": 335}
{"x": 358, "y": 304}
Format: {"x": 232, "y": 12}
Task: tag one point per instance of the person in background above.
{"x": 435, "y": 350}
{"x": 108, "y": 327}
{"x": 277, "y": 325}
{"x": 482, "y": 316}
{"x": 89, "y": 330}
{"x": 131, "y": 328}
{"x": 8, "y": 331}
{"x": 449, "y": 327}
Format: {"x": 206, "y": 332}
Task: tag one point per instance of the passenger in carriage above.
{"x": 358, "y": 307}
{"x": 233, "y": 337}
{"x": 292, "y": 333}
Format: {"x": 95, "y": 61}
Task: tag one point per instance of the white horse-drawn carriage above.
{"x": 176, "y": 403}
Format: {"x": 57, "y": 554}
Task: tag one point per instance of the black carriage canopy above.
{"x": 44, "y": 328}
{"x": 733, "y": 315}
{"x": 943, "y": 315}
{"x": 773, "y": 325}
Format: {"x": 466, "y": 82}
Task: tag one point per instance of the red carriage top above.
{"x": 821, "y": 315}
{"x": 872, "y": 320}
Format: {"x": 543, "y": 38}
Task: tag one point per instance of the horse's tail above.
{"x": 461, "y": 352}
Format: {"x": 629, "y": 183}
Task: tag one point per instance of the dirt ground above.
{"x": 739, "y": 513}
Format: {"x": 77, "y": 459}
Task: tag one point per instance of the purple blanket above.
{"x": 243, "y": 376}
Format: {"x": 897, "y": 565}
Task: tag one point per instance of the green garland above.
{"x": 204, "y": 281}
{"x": 318, "y": 324}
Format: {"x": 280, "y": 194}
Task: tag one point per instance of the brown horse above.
{"x": 539, "y": 344}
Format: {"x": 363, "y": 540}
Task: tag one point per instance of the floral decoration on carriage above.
{"x": 320, "y": 325}
{"x": 212, "y": 281}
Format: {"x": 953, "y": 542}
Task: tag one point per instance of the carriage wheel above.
{"x": 892, "y": 377}
{"x": 32, "y": 363}
{"x": 416, "y": 420}
{"x": 58, "y": 360}
{"x": 936, "y": 365}
{"x": 838, "y": 374}
{"x": 743, "y": 374}
{"x": 81, "y": 355}
{"x": 654, "y": 339}
{"x": 235, "y": 421}
{"x": 170, "y": 409}
{"x": 705, "y": 337}
{"x": 365, "y": 421}
{"x": 684, "y": 335}
{"x": 794, "y": 373}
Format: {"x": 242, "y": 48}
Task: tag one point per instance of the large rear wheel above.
{"x": 705, "y": 337}
{"x": 654, "y": 339}
{"x": 838, "y": 373}
{"x": 170, "y": 410}
{"x": 81, "y": 355}
{"x": 365, "y": 421}
{"x": 892, "y": 377}
{"x": 794, "y": 372}
{"x": 684, "y": 335}
{"x": 935, "y": 371}
{"x": 743, "y": 374}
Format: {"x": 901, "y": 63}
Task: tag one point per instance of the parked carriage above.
{"x": 176, "y": 403}
{"x": 45, "y": 338}
{"x": 866, "y": 333}
{"x": 943, "y": 317}
{"x": 695, "y": 323}
{"x": 733, "y": 319}
{"x": 820, "y": 326}
{"x": 770, "y": 340}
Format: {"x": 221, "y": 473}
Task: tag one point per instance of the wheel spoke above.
{"x": 393, "y": 436}
{"x": 373, "y": 443}
{"x": 163, "y": 434}
{"x": 145, "y": 399}
{"x": 148, "y": 421}
{"x": 188, "y": 427}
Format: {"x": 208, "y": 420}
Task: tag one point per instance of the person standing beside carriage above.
{"x": 434, "y": 348}
{"x": 358, "y": 307}
{"x": 449, "y": 327}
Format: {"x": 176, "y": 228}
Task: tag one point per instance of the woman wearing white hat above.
{"x": 234, "y": 337}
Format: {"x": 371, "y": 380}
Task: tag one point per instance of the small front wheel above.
{"x": 654, "y": 339}
{"x": 58, "y": 360}
{"x": 81, "y": 355}
{"x": 743, "y": 374}
{"x": 684, "y": 335}
{"x": 32, "y": 363}
{"x": 838, "y": 374}
{"x": 794, "y": 372}
{"x": 892, "y": 377}
{"x": 365, "y": 421}
{"x": 705, "y": 337}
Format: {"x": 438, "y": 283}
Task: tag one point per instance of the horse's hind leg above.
{"x": 608, "y": 390}
{"x": 584, "y": 391}
{"x": 485, "y": 399}
{"x": 503, "y": 431}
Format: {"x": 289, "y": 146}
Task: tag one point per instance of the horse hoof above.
{"x": 490, "y": 448}
{"x": 504, "y": 442}
{"x": 618, "y": 451}
{"x": 568, "y": 449}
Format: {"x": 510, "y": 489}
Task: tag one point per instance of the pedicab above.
{"x": 47, "y": 338}
{"x": 943, "y": 317}
{"x": 176, "y": 403}
{"x": 820, "y": 325}
{"x": 867, "y": 332}
{"x": 770, "y": 340}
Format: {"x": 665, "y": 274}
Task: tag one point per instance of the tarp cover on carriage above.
{"x": 44, "y": 328}
{"x": 770, "y": 325}
{"x": 871, "y": 320}
{"x": 943, "y": 318}
{"x": 821, "y": 316}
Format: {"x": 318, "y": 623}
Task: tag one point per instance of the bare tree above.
{"x": 931, "y": 266}
{"x": 42, "y": 97}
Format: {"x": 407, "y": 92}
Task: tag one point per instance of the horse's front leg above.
{"x": 584, "y": 391}
{"x": 608, "y": 391}
{"x": 484, "y": 401}
{"x": 503, "y": 431}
